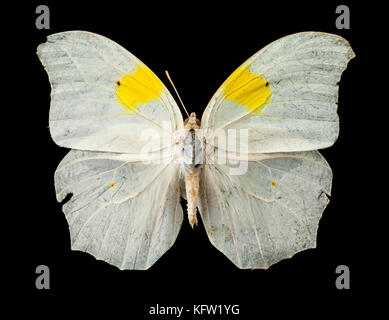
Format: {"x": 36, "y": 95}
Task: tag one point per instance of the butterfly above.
{"x": 250, "y": 166}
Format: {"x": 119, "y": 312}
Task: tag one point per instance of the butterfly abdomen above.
{"x": 192, "y": 182}
{"x": 193, "y": 157}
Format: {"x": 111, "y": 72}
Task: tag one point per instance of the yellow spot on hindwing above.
{"x": 273, "y": 183}
{"x": 137, "y": 88}
{"x": 111, "y": 185}
{"x": 247, "y": 89}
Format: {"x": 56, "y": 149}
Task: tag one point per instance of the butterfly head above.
{"x": 192, "y": 122}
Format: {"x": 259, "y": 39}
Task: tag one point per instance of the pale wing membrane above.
{"x": 268, "y": 214}
{"x": 85, "y": 70}
{"x": 285, "y": 95}
{"x": 123, "y": 212}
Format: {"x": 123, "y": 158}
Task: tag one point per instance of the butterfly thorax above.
{"x": 192, "y": 122}
{"x": 192, "y": 154}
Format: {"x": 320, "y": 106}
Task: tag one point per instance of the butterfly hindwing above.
{"x": 123, "y": 212}
{"x": 268, "y": 214}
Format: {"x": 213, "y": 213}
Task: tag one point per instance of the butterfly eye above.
{"x": 118, "y": 83}
{"x": 267, "y": 84}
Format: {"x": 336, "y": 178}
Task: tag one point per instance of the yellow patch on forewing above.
{"x": 247, "y": 89}
{"x": 138, "y": 88}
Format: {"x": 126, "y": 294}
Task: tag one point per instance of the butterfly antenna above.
{"x": 167, "y": 74}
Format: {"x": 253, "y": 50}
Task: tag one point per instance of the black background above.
{"x": 200, "y": 43}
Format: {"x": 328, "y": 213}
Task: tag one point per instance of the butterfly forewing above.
{"x": 103, "y": 98}
{"x": 285, "y": 95}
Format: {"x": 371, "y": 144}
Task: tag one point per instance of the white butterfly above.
{"x": 108, "y": 106}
